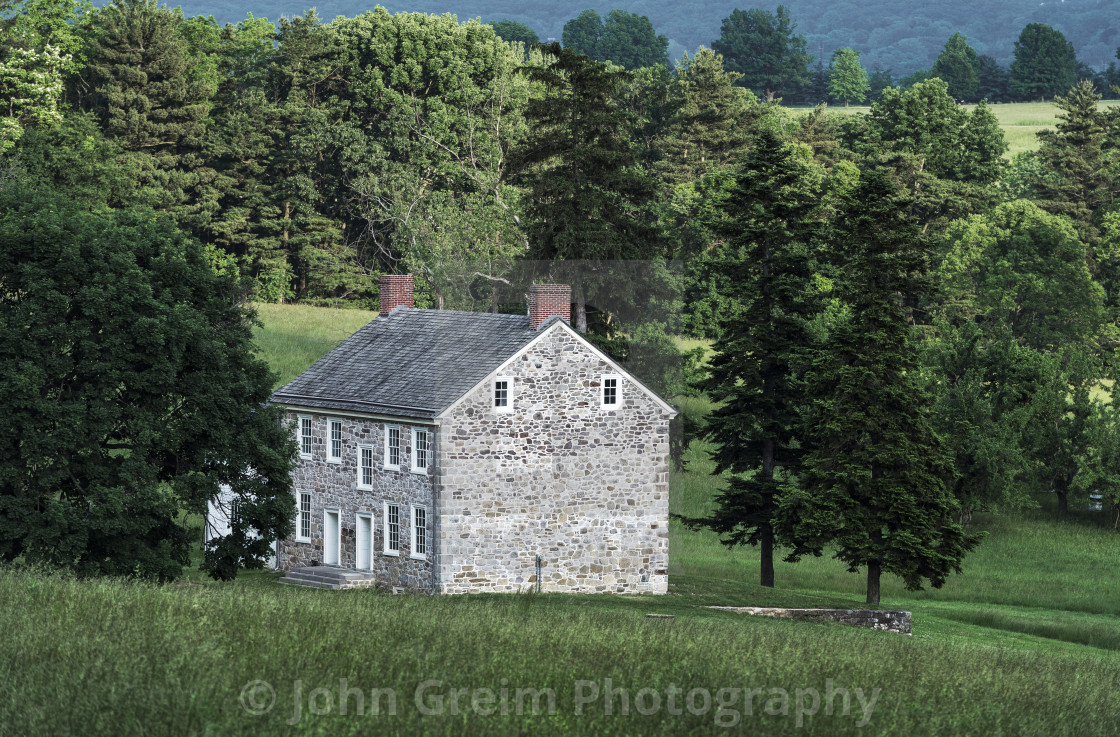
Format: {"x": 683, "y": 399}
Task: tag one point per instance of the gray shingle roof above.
{"x": 412, "y": 363}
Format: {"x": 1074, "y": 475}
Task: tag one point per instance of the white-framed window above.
{"x": 304, "y": 428}
{"x": 419, "y": 533}
{"x": 334, "y": 444}
{"x": 365, "y": 466}
{"x": 421, "y": 449}
{"x": 303, "y": 520}
{"x": 393, "y": 447}
{"x": 503, "y": 394}
{"x": 392, "y": 529}
{"x": 610, "y": 391}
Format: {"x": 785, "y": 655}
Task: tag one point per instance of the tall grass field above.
{"x": 1025, "y": 642}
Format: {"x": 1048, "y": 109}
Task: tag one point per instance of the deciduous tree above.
{"x": 131, "y": 393}
{"x": 847, "y": 79}
{"x": 1045, "y": 63}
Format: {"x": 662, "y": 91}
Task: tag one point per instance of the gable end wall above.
{"x": 587, "y": 489}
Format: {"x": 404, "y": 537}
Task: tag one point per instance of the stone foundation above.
{"x": 890, "y": 620}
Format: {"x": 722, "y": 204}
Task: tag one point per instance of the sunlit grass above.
{"x": 294, "y": 336}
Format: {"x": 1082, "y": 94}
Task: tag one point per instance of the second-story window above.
{"x": 305, "y": 436}
{"x": 421, "y": 449}
{"x": 365, "y": 467}
{"x": 335, "y": 448}
{"x": 611, "y": 393}
{"x": 392, "y": 447}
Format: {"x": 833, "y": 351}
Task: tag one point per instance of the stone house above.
{"x": 457, "y": 452}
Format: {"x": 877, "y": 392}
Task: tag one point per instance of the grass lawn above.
{"x": 1026, "y": 642}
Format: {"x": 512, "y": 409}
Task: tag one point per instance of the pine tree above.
{"x": 755, "y": 372}
{"x": 875, "y": 480}
{"x": 708, "y": 119}
{"x": 589, "y": 200}
{"x": 1082, "y": 174}
{"x": 959, "y": 66}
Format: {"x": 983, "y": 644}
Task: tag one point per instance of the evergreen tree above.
{"x": 762, "y": 47}
{"x": 879, "y": 80}
{"x": 847, "y": 79}
{"x": 755, "y": 372}
{"x": 1081, "y": 172}
{"x": 959, "y": 66}
{"x": 993, "y": 80}
{"x": 708, "y": 119}
{"x": 876, "y": 478}
{"x": 1045, "y": 63}
{"x": 588, "y": 199}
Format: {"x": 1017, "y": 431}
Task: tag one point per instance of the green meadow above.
{"x": 1025, "y": 642}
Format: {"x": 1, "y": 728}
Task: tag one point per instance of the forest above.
{"x": 900, "y": 37}
{"x": 883, "y": 306}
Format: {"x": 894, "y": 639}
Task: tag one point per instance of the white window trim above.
{"x": 299, "y": 436}
{"x": 603, "y": 392}
{"x": 509, "y": 394}
{"x": 299, "y": 516}
{"x": 358, "y": 480}
{"x": 330, "y": 440}
{"x": 416, "y": 531}
{"x": 372, "y": 530}
{"x": 385, "y": 530}
{"x": 400, "y": 449}
{"x": 415, "y": 446}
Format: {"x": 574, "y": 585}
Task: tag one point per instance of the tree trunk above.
{"x": 766, "y": 539}
{"x": 873, "y": 583}
{"x": 766, "y": 549}
{"x": 1063, "y": 502}
{"x": 581, "y": 312}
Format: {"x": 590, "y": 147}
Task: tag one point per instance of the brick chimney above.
{"x": 549, "y": 300}
{"x": 396, "y": 291}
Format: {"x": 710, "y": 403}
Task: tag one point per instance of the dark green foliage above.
{"x": 708, "y": 121}
{"x": 130, "y": 392}
{"x": 877, "y": 81}
{"x": 1045, "y": 63}
{"x": 946, "y": 157}
{"x": 993, "y": 80}
{"x": 512, "y": 31}
{"x": 959, "y": 66}
{"x": 876, "y": 478}
{"x": 589, "y": 200}
{"x": 766, "y": 265}
{"x": 625, "y": 38}
{"x": 762, "y": 47}
{"x": 1081, "y": 169}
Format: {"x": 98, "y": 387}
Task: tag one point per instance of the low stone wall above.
{"x": 890, "y": 620}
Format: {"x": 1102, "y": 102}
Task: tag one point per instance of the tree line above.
{"x": 907, "y": 327}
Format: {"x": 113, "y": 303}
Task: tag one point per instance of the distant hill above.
{"x": 900, "y": 35}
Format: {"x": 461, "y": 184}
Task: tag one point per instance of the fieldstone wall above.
{"x": 336, "y": 485}
{"x": 891, "y": 620}
{"x": 559, "y": 476}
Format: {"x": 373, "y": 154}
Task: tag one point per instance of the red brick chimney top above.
{"x": 549, "y": 300}
{"x": 396, "y": 291}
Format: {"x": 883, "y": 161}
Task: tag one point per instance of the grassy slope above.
{"x": 1021, "y": 121}
{"x": 1025, "y": 642}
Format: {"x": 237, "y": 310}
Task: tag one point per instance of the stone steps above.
{"x": 329, "y": 577}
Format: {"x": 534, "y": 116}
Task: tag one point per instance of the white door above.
{"x": 330, "y": 537}
{"x": 362, "y": 542}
